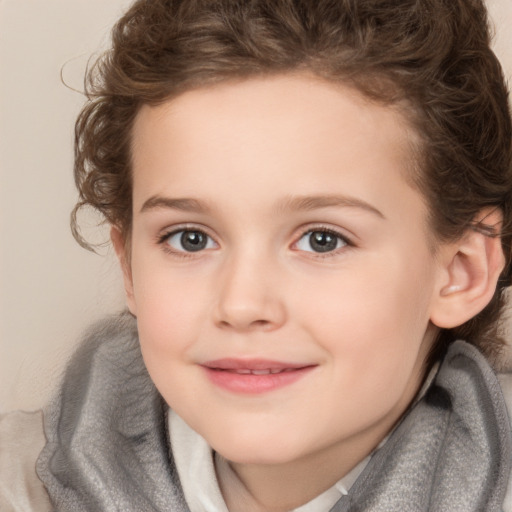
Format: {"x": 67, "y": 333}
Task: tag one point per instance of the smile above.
{"x": 254, "y": 376}
{"x": 268, "y": 371}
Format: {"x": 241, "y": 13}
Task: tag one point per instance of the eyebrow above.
{"x": 183, "y": 204}
{"x": 307, "y": 203}
{"x": 300, "y": 203}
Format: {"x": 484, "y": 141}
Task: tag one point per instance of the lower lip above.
{"x": 255, "y": 384}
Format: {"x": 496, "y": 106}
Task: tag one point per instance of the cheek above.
{"x": 168, "y": 323}
{"x": 372, "y": 320}
{"x": 170, "y": 313}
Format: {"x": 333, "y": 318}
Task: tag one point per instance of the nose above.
{"x": 250, "y": 296}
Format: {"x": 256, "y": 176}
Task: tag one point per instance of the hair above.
{"x": 432, "y": 55}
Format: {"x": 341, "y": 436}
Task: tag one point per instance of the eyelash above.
{"x": 164, "y": 238}
{"x": 347, "y": 243}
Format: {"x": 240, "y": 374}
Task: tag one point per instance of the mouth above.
{"x": 254, "y": 376}
{"x": 247, "y": 371}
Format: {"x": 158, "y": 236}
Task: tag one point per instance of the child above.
{"x": 312, "y": 206}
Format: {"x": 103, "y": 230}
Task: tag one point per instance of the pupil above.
{"x": 193, "y": 241}
{"x": 321, "y": 241}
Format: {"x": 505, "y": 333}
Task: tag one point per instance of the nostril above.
{"x": 260, "y": 323}
{"x": 254, "y": 323}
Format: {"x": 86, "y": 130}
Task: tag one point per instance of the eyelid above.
{"x": 336, "y": 231}
{"x": 170, "y": 230}
{"x": 166, "y": 233}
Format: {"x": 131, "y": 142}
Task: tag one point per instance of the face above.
{"x": 281, "y": 270}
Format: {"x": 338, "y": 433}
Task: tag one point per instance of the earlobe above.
{"x": 471, "y": 269}
{"x": 119, "y": 245}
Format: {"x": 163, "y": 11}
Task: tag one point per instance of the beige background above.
{"x": 50, "y": 288}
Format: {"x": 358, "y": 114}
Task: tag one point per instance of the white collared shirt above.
{"x": 195, "y": 463}
{"x": 194, "y": 460}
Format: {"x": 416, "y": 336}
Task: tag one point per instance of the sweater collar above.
{"x": 451, "y": 451}
{"x": 107, "y": 447}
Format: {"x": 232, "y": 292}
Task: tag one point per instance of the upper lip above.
{"x": 253, "y": 364}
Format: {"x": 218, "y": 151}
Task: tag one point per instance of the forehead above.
{"x": 296, "y": 130}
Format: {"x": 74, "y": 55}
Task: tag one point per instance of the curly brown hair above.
{"x": 434, "y": 55}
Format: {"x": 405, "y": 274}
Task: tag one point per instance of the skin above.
{"x": 245, "y": 155}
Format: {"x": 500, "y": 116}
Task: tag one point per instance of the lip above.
{"x": 254, "y": 376}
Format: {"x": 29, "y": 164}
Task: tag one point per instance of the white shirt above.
{"x": 195, "y": 463}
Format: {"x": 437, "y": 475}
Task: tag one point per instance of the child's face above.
{"x": 273, "y": 229}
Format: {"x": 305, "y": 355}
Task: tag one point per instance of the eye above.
{"x": 189, "y": 240}
{"x": 320, "y": 240}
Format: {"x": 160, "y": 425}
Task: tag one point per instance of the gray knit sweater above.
{"x": 107, "y": 445}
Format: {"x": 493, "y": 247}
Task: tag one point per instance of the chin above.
{"x": 258, "y": 451}
{"x": 256, "y": 457}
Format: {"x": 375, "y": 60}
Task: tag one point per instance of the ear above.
{"x": 119, "y": 244}
{"x": 470, "y": 271}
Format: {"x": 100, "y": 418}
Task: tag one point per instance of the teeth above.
{"x": 266, "y": 371}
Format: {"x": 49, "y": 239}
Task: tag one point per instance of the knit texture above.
{"x": 107, "y": 447}
{"x": 107, "y": 444}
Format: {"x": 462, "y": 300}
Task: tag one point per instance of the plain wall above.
{"x": 50, "y": 288}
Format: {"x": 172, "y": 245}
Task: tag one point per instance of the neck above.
{"x": 284, "y": 487}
